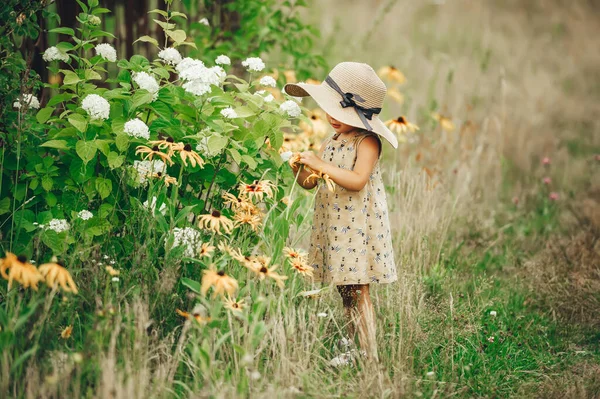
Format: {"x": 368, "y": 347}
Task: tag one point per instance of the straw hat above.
{"x": 353, "y": 94}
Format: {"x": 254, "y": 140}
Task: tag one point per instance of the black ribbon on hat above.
{"x": 349, "y": 100}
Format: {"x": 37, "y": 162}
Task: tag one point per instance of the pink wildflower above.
{"x": 546, "y": 161}
{"x": 547, "y": 180}
{"x": 553, "y": 196}
{"x": 515, "y": 200}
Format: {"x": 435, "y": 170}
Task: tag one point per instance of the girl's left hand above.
{"x": 311, "y": 160}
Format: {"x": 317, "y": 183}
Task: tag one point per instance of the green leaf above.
{"x": 78, "y": 121}
{"x": 59, "y": 99}
{"x": 47, "y": 182}
{"x": 4, "y": 205}
{"x": 115, "y": 160}
{"x": 122, "y": 142}
{"x": 100, "y": 10}
{"x": 235, "y": 154}
{"x": 165, "y": 25}
{"x": 250, "y": 161}
{"x": 147, "y": 39}
{"x": 101, "y": 33}
{"x": 92, "y": 75}
{"x": 70, "y": 77}
{"x": 216, "y": 144}
{"x": 103, "y": 187}
{"x": 63, "y": 30}
{"x": 58, "y": 144}
{"x": 178, "y": 35}
{"x": 191, "y": 284}
{"x": 141, "y": 97}
{"x": 103, "y": 145}
{"x": 161, "y": 12}
{"x": 53, "y": 241}
{"x": 44, "y": 114}
{"x": 86, "y": 150}
{"x": 244, "y": 112}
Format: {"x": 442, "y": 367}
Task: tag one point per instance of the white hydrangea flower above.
{"x": 152, "y": 206}
{"x": 96, "y": 106}
{"x": 58, "y": 225}
{"x": 189, "y": 238}
{"x": 106, "y": 51}
{"x": 147, "y": 168}
{"x": 268, "y": 81}
{"x": 267, "y": 98}
{"x": 291, "y": 107}
{"x": 254, "y": 64}
{"x": 137, "y": 128}
{"x": 85, "y": 215}
{"x": 204, "y": 21}
{"x": 170, "y": 56}
{"x": 147, "y": 82}
{"x": 54, "y": 54}
{"x": 223, "y": 60}
{"x": 198, "y": 78}
{"x": 228, "y": 113}
{"x": 28, "y": 100}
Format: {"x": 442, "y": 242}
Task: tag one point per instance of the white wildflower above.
{"x": 493, "y": 313}
{"x": 322, "y": 314}
{"x": 291, "y": 107}
{"x": 106, "y": 51}
{"x": 28, "y": 100}
{"x": 147, "y": 82}
{"x": 85, "y": 215}
{"x": 147, "y": 168}
{"x": 152, "y": 206}
{"x": 58, "y": 225}
{"x": 137, "y": 128}
{"x": 204, "y": 21}
{"x": 285, "y": 156}
{"x": 268, "y": 98}
{"x": 114, "y": 279}
{"x": 228, "y": 113}
{"x": 54, "y": 54}
{"x": 223, "y": 60}
{"x": 491, "y": 338}
{"x": 254, "y": 64}
{"x": 198, "y": 78}
{"x": 268, "y": 81}
{"x": 430, "y": 374}
{"x": 189, "y": 238}
{"x": 96, "y": 106}
{"x": 170, "y": 56}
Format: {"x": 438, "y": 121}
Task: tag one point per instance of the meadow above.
{"x": 189, "y": 274}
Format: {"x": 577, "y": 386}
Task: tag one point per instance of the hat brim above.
{"x": 329, "y": 100}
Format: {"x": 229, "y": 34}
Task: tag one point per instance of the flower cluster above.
{"x": 85, "y": 215}
{"x": 146, "y": 169}
{"x": 137, "y": 128}
{"x": 58, "y": 225}
{"x": 254, "y": 64}
{"x": 223, "y": 60}
{"x": 106, "y": 51}
{"x": 228, "y": 113}
{"x": 268, "y": 81}
{"x": 291, "y": 108}
{"x": 197, "y": 77}
{"x": 54, "y": 54}
{"x": 96, "y": 106}
{"x": 189, "y": 238}
{"x": 147, "y": 82}
{"x": 170, "y": 56}
{"x": 28, "y": 275}
{"x": 28, "y": 101}
{"x": 268, "y": 98}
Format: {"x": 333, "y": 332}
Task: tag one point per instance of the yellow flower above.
{"x": 215, "y": 221}
{"x": 110, "y": 270}
{"x": 186, "y": 153}
{"x": 57, "y": 274}
{"x": 292, "y": 253}
{"x": 290, "y": 76}
{"x": 392, "y": 74}
{"x": 196, "y": 315}
{"x": 206, "y": 250}
{"x": 318, "y": 125}
{"x": 260, "y": 266}
{"x": 257, "y": 189}
{"x": 444, "y": 121}
{"x": 221, "y": 282}
{"x": 238, "y": 203}
{"x": 167, "y": 143}
{"x": 233, "y": 305}
{"x": 66, "y": 332}
{"x": 20, "y": 271}
{"x": 152, "y": 152}
{"x": 254, "y": 221}
{"x": 401, "y": 125}
{"x": 302, "y": 267}
{"x": 395, "y": 95}
{"x": 286, "y": 200}
{"x": 165, "y": 177}
{"x": 320, "y": 175}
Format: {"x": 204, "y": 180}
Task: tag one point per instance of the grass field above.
{"x": 496, "y": 223}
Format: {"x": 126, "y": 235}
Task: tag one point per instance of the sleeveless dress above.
{"x": 351, "y": 240}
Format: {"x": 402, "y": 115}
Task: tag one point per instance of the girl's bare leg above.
{"x": 349, "y": 300}
{"x": 360, "y": 312}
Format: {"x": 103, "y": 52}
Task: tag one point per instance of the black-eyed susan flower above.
{"x": 444, "y": 121}
{"x": 320, "y": 175}
{"x": 152, "y": 152}
{"x": 294, "y": 161}
{"x": 187, "y": 153}
{"x": 56, "y": 274}
{"x": 66, "y": 332}
{"x": 168, "y": 144}
{"x": 252, "y": 220}
{"x": 234, "y": 305}
{"x": 392, "y": 74}
{"x": 401, "y": 125}
{"x": 293, "y": 253}
{"x": 20, "y": 270}
{"x": 257, "y": 189}
{"x": 238, "y": 203}
{"x": 300, "y": 265}
{"x": 113, "y": 272}
{"x": 193, "y": 316}
{"x": 260, "y": 266}
{"x": 221, "y": 282}
{"x": 215, "y": 221}
{"x": 165, "y": 177}
{"x": 206, "y": 250}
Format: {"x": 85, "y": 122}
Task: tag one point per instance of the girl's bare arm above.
{"x": 305, "y": 173}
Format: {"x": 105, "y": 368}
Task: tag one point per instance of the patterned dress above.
{"x": 351, "y": 241}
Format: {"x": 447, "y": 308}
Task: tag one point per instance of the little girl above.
{"x": 350, "y": 243}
